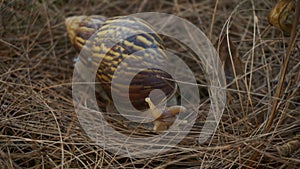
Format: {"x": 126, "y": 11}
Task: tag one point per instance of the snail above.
{"x": 129, "y": 53}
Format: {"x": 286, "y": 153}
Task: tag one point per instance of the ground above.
{"x": 40, "y": 129}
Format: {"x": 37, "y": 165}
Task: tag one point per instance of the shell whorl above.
{"x": 134, "y": 36}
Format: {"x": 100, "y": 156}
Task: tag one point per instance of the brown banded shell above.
{"x": 129, "y": 41}
{"x": 81, "y": 28}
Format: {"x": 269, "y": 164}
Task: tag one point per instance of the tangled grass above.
{"x": 38, "y": 125}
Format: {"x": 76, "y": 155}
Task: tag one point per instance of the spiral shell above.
{"x": 127, "y": 54}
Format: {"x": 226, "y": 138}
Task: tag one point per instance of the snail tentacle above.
{"x": 164, "y": 118}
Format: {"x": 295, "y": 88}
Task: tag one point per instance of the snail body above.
{"x": 121, "y": 43}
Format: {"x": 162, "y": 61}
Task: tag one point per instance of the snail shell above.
{"x": 129, "y": 53}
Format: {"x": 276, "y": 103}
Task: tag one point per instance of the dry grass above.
{"x": 38, "y": 125}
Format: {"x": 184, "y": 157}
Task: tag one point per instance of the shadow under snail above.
{"x": 131, "y": 49}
